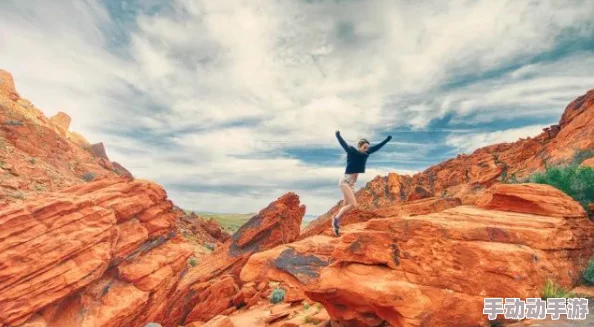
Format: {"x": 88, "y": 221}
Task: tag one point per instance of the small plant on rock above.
{"x": 88, "y": 176}
{"x": 12, "y": 122}
{"x": 193, "y": 262}
{"x": 210, "y": 246}
{"x": 552, "y": 290}
{"x": 588, "y": 273}
{"x": 277, "y": 296}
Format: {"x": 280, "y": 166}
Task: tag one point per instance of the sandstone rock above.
{"x": 78, "y": 139}
{"x": 531, "y": 198}
{"x": 56, "y": 252}
{"x": 195, "y": 324}
{"x": 419, "y": 193}
{"x": 98, "y": 150}
{"x": 323, "y": 224}
{"x": 210, "y": 288}
{"x": 207, "y": 232}
{"x": 219, "y": 321}
{"x": 583, "y": 290}
{"x": 38, "y": 150}
{"x": 121, "y": 170}
{"x": 62, "y": 122}
{"x": 35, "y": 321}
{"x": 588, "y": 163}
{"x": 435, "y": 269}
{"x": 7, "y": 87}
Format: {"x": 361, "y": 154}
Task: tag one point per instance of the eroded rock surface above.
{"x": 435, "y": 269}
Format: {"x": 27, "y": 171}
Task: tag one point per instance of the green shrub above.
{"x": 277, "y": 296}
{"x": 210, "y": 246}
{"x": 588, "y": 273}
{"x": 306, "y": 306}
{"x": 552, "y": 290}
{"x": 193, "y": 262}
{"x": 32, "y": 161}
{"x": 88, "y": 176}
{"x": 575, "y": 181}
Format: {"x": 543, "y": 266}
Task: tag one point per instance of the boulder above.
{"x": 435, "y": 269}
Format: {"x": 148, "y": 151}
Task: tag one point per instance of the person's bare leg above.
{"x": 351, "y": 202}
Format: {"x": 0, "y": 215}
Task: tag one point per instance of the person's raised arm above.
{"x": 378, "y": 146}
{"x": 344, "y": 144}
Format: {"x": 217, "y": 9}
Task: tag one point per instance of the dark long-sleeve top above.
{"x": 357, "y": 160}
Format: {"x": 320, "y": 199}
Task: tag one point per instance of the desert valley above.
{"x": 85, "y": 243}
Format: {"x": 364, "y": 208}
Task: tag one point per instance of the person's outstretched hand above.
{"x": 337, "y": 132}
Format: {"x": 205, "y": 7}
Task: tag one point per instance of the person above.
{"x": 356, "y": 161}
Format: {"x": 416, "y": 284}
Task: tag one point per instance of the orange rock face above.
{"x": 89, "y": 253}
{"x": 7, "y": 86}
{"x": 121, "y": 170}
{"x": 428, "y": 205}
{"x": 62, "y": 122}
{"x": 37, "y": 154}
{"x": 219, "y": 321}
{"x": 213, "y": 286}
{"x": 435, "y": 269}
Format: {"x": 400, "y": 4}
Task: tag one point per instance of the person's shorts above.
{"x": 349, "y": 180}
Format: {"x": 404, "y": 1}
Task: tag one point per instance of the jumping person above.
{"x": 356, "y": 160}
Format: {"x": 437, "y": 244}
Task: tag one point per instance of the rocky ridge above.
{"x": 466, "y": 177}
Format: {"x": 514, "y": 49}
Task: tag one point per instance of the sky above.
{"x": 230, "y": 104}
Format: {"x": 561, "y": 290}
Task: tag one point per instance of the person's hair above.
{"x": 361, "y": 142}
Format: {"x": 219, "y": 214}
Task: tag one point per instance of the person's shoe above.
{"x": 336, "y": 226}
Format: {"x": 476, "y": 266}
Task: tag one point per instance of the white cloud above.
{"x": 469, "y": 142}
{"x": 296, "y": 70}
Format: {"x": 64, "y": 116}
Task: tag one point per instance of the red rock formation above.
{"x": 419, "y": 207}
{"x": 102, "y": 251}
{"x": 78, "y": 139}
{"x": 121, "y": 170}
{"x": 98, "y": 150}
{"x": 466, "y": 176}
{"x": 206, "y": 231}
{"x": 62, "y": 122}
{"x": 7, "y": 86}
{"x": 210, "y": 288}
{"x": 588, "y": 163}
{"x": 435, "y": 269}
{"x": 104, "y": 254}
{"x": 218, "y": 321}
{"x": 37, "y": 154}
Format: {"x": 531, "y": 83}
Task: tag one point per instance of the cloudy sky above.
{"x": 229, "y": 104}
